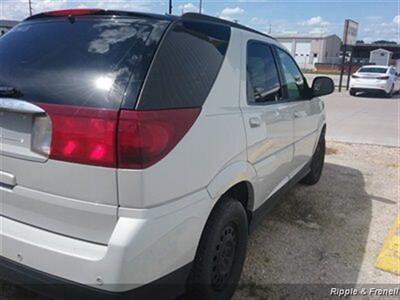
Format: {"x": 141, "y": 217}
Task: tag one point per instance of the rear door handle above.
{"x": 7, "y": 179}
{"x": 254, "y": 122}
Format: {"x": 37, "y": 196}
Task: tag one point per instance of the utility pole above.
{"x": 342, "y": 67}
{"x": 350, "y": 67}
{"x": 170, "y": 7}
{"x": 201, "y": 6}
{"x": 30, "y": 8}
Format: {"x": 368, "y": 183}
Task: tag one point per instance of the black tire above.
{"x": 221, "y": 253}
{"x": 317, "y": 163}
{"x": 353, "y": 92}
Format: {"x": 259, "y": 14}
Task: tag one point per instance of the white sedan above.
{"x": 375, "y": 78}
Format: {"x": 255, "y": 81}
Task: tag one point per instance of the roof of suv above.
{"x": 98, "y": 12}
{"x": 186, "y": 16}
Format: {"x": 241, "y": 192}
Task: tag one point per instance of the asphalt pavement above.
{"x": 366, "y": 119}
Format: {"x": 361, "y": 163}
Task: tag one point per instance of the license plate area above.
{"x": 16, "y": 136}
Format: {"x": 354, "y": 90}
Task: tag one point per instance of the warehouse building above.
{"x": 6, "y": 25}
{"x": 309, "y": 50}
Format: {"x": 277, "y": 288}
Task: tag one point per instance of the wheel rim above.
{"x": 224, "y": 256}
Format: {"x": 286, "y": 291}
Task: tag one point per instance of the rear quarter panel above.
{"x": 216, "y": 140}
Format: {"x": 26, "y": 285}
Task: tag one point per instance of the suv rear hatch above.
{"x": 63, "y": 77}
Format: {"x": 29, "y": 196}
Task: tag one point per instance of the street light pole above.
{"x": 170, "y": 7}
{"x": 201, "y": 6}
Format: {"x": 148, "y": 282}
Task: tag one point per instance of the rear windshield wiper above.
{"x": 6, "y": 91}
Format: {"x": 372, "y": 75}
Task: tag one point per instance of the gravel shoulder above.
{"x": 330, "y": 233}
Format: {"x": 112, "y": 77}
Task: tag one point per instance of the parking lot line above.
{"x": 389, "y": 257}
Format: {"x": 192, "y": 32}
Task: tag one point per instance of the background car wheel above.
{"x": 353, "y": 92}
{"x": 317, "y": 163}
{"x": 220, "y": 255}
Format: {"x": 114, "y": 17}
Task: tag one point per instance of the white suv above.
{"x": 137, "y": 150}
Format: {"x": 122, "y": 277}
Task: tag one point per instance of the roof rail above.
{"x": 207, "y": 18}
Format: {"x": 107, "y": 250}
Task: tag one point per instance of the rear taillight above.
{"x": 145, "y": 137}
{"x": 383, "y": 77}
{"x": 355, "y": 76}
{"x": 83, "y": 135}
{"x": 134, "y": 140}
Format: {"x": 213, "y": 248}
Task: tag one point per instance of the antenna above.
{"x": 170, "y": 7}
{"x": 30, "y": 7}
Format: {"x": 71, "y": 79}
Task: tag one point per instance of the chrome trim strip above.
{"x": 19, "y": 106}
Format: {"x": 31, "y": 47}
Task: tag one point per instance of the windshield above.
{"x": 373, "y": 70}
{"x": 87, "y": 61}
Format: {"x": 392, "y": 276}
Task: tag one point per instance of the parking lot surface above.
{"x": 329, "y": 234}
{"x": 369, "y": 119}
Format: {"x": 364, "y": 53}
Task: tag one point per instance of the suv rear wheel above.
{"x": 317, "y": 163}
{"x": 221, "y": 253}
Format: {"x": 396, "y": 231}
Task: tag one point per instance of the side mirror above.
{"x": 322, "y": 86}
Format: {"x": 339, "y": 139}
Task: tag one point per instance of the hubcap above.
{"x": 224, "y": 256}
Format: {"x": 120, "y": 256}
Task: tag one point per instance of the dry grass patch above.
{"x": 331, "y": 151}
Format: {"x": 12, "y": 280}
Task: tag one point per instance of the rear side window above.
{"x": 86, "y": 61}
{"x": 186, "y": 66}
{"x": 263, "y": 83}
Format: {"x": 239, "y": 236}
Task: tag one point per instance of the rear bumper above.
{"x": 146, "y": 245}
{"x": 368, "y": 90}
{"x": 167, "y": 287}
{"x": 370, "y": 87}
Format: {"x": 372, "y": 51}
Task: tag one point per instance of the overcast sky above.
{"x": 379, "y": 19}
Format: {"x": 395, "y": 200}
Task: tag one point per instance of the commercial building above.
{"x": 362, "y": 52}
{"x": 309, "y": 50}
{"x": 6, "y": 25}
{"x": 367, "y": 54}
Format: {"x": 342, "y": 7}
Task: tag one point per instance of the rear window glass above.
{"x": 372, "y": 70}
{"x": 86, "y": 61}
{"x": 186, "y": 66}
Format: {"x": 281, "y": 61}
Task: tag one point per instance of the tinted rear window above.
{"x": 87, "y": 61}
{"x": 372, "y": 70}
{"x": 186, "y": 66}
